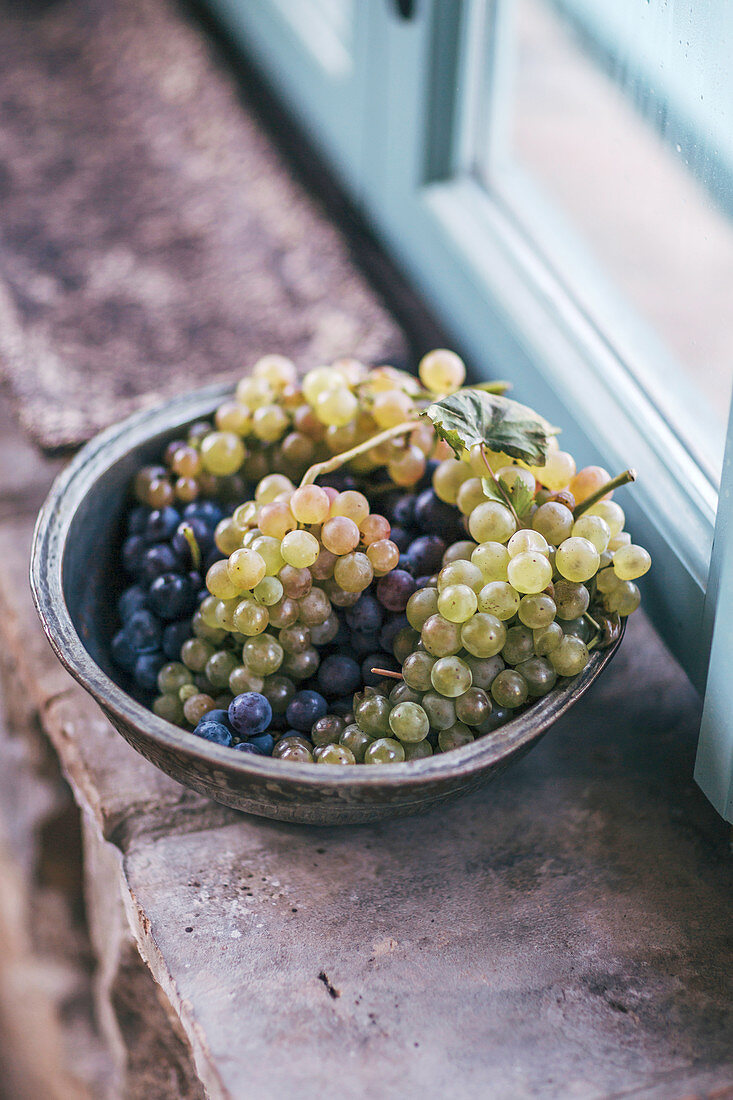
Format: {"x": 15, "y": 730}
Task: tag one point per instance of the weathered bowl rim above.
{"x": 46, "y": 577}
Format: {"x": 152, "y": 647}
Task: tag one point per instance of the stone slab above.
{"x": 152, "y": 237}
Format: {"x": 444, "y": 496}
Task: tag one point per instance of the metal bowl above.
{"x": 75, "y": 579}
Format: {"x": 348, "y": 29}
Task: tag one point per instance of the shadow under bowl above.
{"x": 75, "y": 578}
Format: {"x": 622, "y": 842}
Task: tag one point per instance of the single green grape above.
{"x": 473, "y": 707}
{"x": 314, "y": 608}
{"x": 537, "y": 610}
{"x": 327, "y": 730}
{"x": 611, "y": 512}
{"x": 492, "y": 558}
{"x": 187, "y": 692}
{"x": 250, "y": 618}
{"x": 172, "y": 677}
{"x": 491, "y": 522}
{"x": 269, "y": 591}
{"x": 420, "y": 606}
{"x": 196, "y": 706}
{"x": 448, "y": 477}
{"x": 385, "y": 750}
{"x": 296, "y": 749}
{"x": 519, "y": 645}
{"x": 455, "y": 737}
{"x": 357, "y": 740}
{"x": 219, "y": 580}
{"x": 554, "y": 521}
{"x": 334, "y": 754}
{"x": 499, "y": 598}
{"x": 325, "y": 632}
{"x": 263, "y": 655}
{"x": 460, "y": 572}
{"x": 595, "y": 529}
{"x": 529, "y": 571}
{"x": 571, "y": 599}
{"x": 631, "y": 562}
{"x": 457, "y": 602}
{"x": 169, "y": 707}
{"x": 484, "y": 670}
{"x": 441, "y": 712}
{"x": 606, "y": 580}
{"x": 570, "y": 657}
{"x": 242, "y": 679}
{"x": 577, "y": 559}
{"x": 527, "y": 541}
{"x": 206, "y": 633}
{"x": 509, "y": 689}
{"x": 371, "y": 713}
{"x": 451, "y": 676}
{"x": 207, "y": 611}
{"x": 440, "y": 637}
{"x": 416, "y": 669}
{"x": 483, "y": 635}
{"x": 299, "y": 549}
{"x": 625, "y": 598}
{"x": 547, "y": 638}
{"x": 222, "y": 453}
{"x": 442, "y": 371}
{"x": 269, "y": 549}
{"x": 403, "y": 693}
{"x": 219, "y": 666}
{"x": 417, "y": 750}
{"x": 470, "y": 494}
{"x": 580, "y": 627}
{"x": 195, "y": 653}
{"x": 353, "y": 572}
{"x": 409, "y": 722}
{"x": 224, "y": 611}
{"x": 336, "y": 407}
{"x": 459, "y": 551}
{"x": 539, "y": 674}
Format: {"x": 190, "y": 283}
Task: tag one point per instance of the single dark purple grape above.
{"x": 403, "y": 510}
{"x": 147, "y": 667}
{"x": 305, "y": 709}
{"x": 215, "y": 732}
{"x": 123, "y": 655}
{"x": 278, "y": 690}
{"x": 137, "y": 519}
{"x": 133, "y": 549}
{"x": 201, "y": 533}
{"x": 361, "y": 643}
{"x": 263, "y": 743}
{"x": 338, "y": 675}
{"x": 425, "y": 554}
{"x": 143, "y": 631}
{"x": 218, "y": 715}
{"x": 158, "y": 560}
{"x": 250, "y": 713}
{"x": 205, "y": 510}
{"x": 174, "y": 635}
{"x": 162, "y": 524}
{"x": 436, "y": 517}
{"x": 366, "y": 615}
{"x": 401, "y": 538}
{"x": 133, "y": 599}
{"x": 171, "y": 596}
{"x": 394, "y": 590}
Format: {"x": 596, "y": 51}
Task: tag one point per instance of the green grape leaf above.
{"x": 472, "y": 416}
{"x": 519, "y": 495}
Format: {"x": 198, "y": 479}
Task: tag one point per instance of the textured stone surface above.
{"x": 151, "y": 239}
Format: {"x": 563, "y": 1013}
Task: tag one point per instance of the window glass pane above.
{"x": 606, "y": 130}
{"x": 325, "y": 27}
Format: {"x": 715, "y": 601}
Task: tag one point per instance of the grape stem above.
{"x": 499, "y": 487}
{"x": 189, "y": 536}
{"x": 331, "y": 464}
{"x": 615, "y": 483}
{"x": 387, "y": 672}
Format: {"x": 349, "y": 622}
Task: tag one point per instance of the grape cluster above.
{"x": 329, "y": 632}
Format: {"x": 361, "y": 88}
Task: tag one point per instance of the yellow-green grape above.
{"x": 420, "y": 606}
{"x": 509, "y": 689}
{"x": 470, "y": 494}
{"x": 483, "y": 635}
{"x": 441, "y": 712}
{"x": 499, "y": 598}
{"x": 222, "y": 453}
{"x": 458, "y": 551}
{"x": 277, "y": 370}
{"x": 271, "y": 486}
{"x": 570, "y": 657}
{"x": 448, "y": 477}
{"x": 196, "y": 707}
{"x": 242, "y": 679}
{"x": 473, "y": 706}
{"x": 195, "y": 652}
{"x": 263, "y": 655}
{"x": 245, "y": 568}
{"x": 460, "y": 571}
{"x": 491, "y": 522}
{"x": 441, "y": 637}
{"x": 492, "y": 558}
{"x": 207, "y": 610}
{"x": 187, "y": 462}
{"x": 250, "y": 618}
{"x": 206, "y": 631}
{"x": 353, "y": 572}
{"x": 314, "y": 608}
{"x": 517, "y": 475}
{"x": 310, "y": 504}
{"x": 391, "y": 407}
{"x": 630, "y": 562}
{"x": 224, "y": 613}
{"x": 416, "y": 669}
{"x": 254, "y": 392}
{"x": 355, "y": 739}
{"x": 269, "y": 551}
{"x": 334, "y": 754}
{"x": 519, "y": 645}
{"x": 547, "y": 638}
{"x": 529, "y": 572}
{"x": 385, "y": 750}
{"x": 276, "y": 519}
{"x": 219, "y": 667}
{"x": 607, "y": 580}
{"x": 595, "y": 529}
{"x": 577, "y": 559}
{"x": 611, "y": 512}
{"x": 269, "y": 423}
{"x": 554, "y": 521}
{"x": 442, "y": 371}
{"x": 297, "y": 450}
{"x": 172, "y": 677}
{"x": 269, "y": 591}
{"x": 233, "y": 417}
{"x": 623, "y": 538}
{"x": 457, "y": 603}
{"x": 321, "y": 380}
{"x": 537, "y": 610}
{"x": 170, "y": 708}
{"x": 526, "y": 541}
{"x": 451, "y": 676}
{"x": 409, "y": 722}
{"x": 295, "y": 749}
{"x": 340, "y": 535}
{"x": 495, "y": 459}
{"x": 624, "y": 598}
{"x": 571, "y": 599}
{"x": 244, "y": 516}
{"x": 417, "y": 750}
{"x": 558, "y": 471}
{"x": 219, "y": 581}
{"x": 455, "y": 738}
{"x": 351, "y": 504}
{"x": 337, "y": 408}
{"x": 187, "y": 691}
{"x": 384, "y": 556}
{"x": 408, "y": 466}
{"x": 539, "y": 674}
{"x": 300, "y": 549}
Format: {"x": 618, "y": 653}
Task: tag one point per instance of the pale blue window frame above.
{"x": 395, "y": 125}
